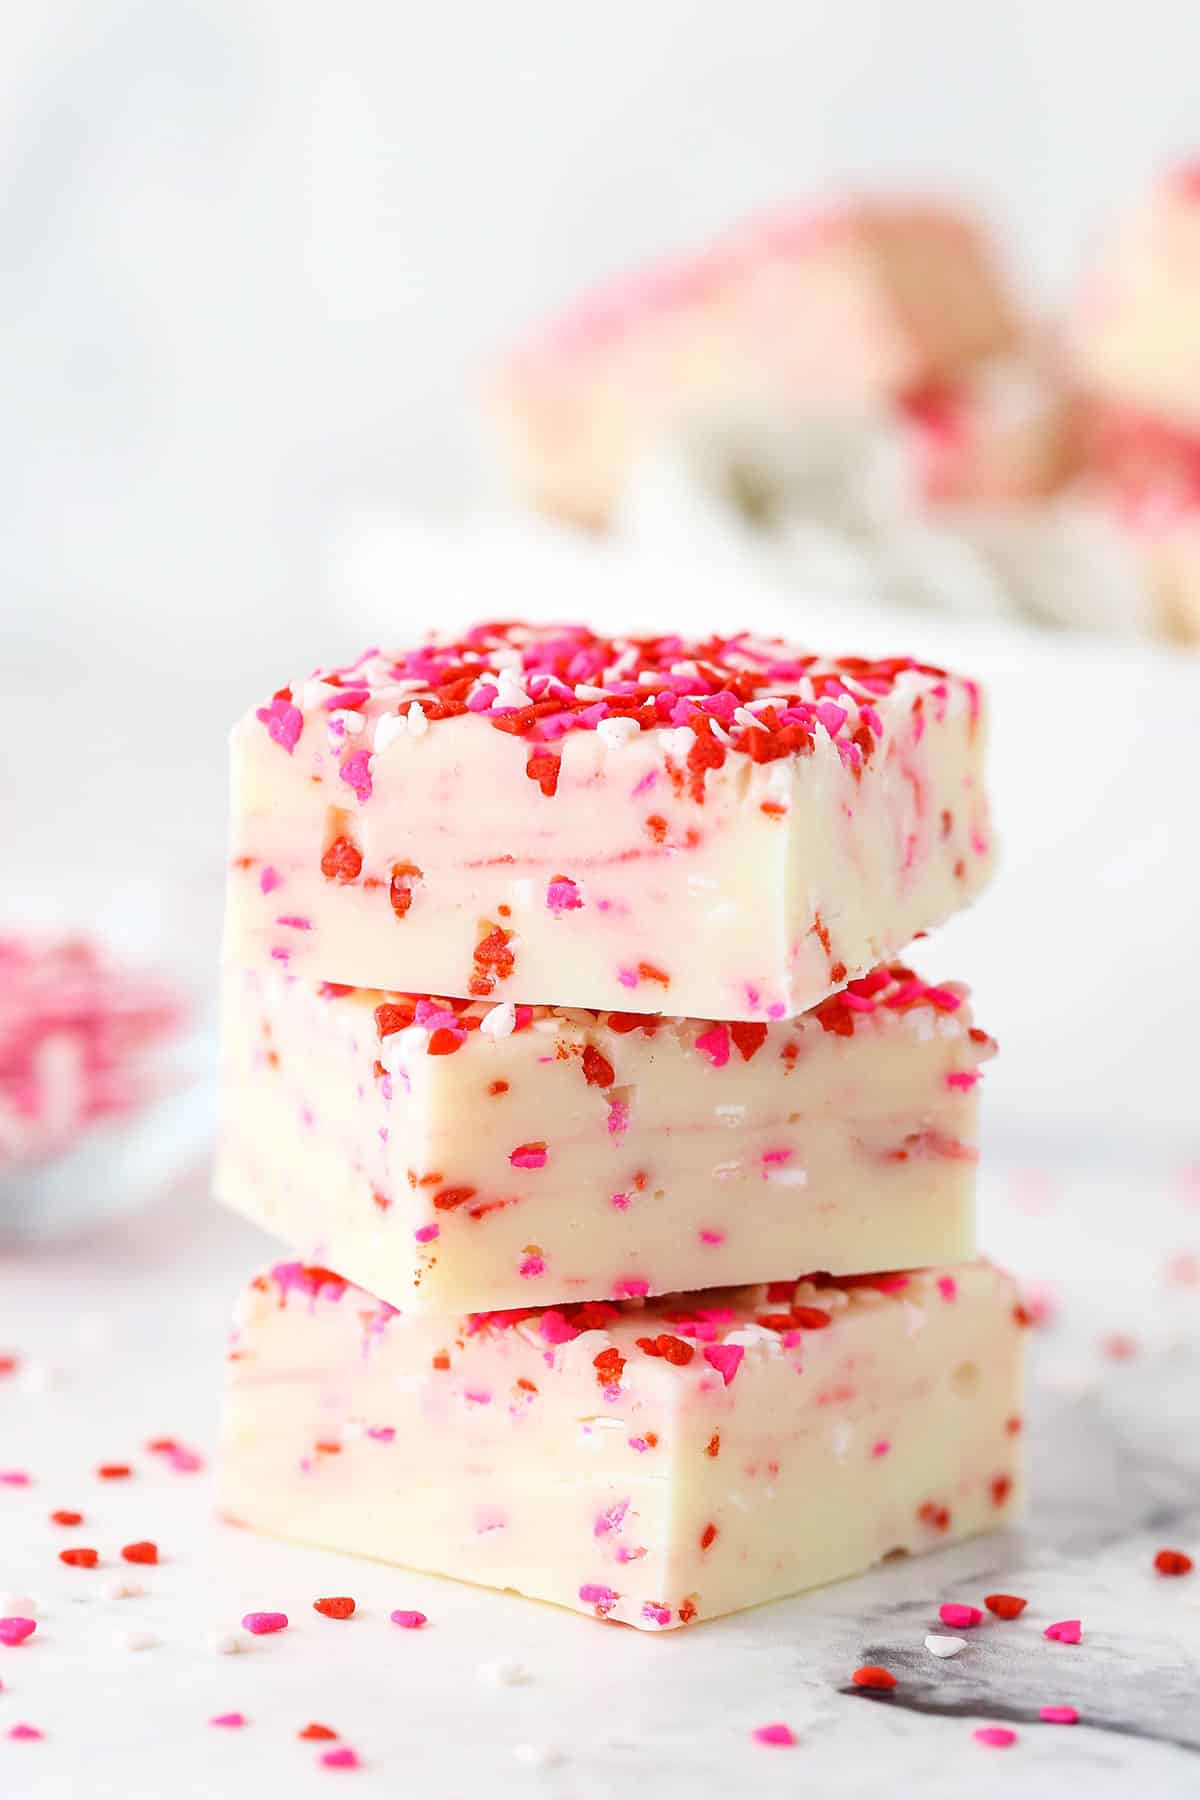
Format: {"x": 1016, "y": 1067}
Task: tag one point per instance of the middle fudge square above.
{"x": 451, "y": 1156}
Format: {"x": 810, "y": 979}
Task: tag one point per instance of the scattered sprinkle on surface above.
{"x": 408, "y": 1620}
{"x": 872, "y": 1676}
{"x": 1173, "y": 1562}
{"x": 1059, "y": 1715}
{"x": 994, "y": 1737}
{"x": 938, "y": 1645}
{"x": 1006, "y": 1606}
{"x": 774, "y": 1734}
{"x": 1064, "y": 1631}
{"x": 261, "y": 1624}
{"x": 336, "y": 1606}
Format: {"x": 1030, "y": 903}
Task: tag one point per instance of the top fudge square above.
{"x": 728, "y": 828}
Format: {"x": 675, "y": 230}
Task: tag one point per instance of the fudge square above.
{"x": 786, "y": 317}
{"x": 1135, "y": 330}
{"x": 456, "y": 1156}
{"x": 655, "y": 1464}
{"x": 721, "y": 829}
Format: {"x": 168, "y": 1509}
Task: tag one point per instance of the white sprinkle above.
{"x": 584, "y": 690}
{"x": 786, "y": 1177}
{"x": 418, "y": 724}
{"x": 743, "y": 716}
{"x": 680, "y": 741}
{"x": 511, "y": 693}
{"x": 501, "y": 1021}
{"x": 618, "y": 731}
{"x": 226, "y": 1643}
{"x": 18, "y": 1606}
{"x": 349, "y": 720}
{"x": 719, "y": 732}
{"x": 944, "y": 1646}
{"x": 36, "y": 1376}
{"x": 538, "y": 1756}
{"x": 388, "y": 727}
{"x": 314, "y": 694}
{"x": 135, "y": 1640}
{"x": 398, "y": 1046}
{"x": 503, "y": 1673}
{"x": 123, "y": 1587}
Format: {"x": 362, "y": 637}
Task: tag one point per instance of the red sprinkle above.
{"x": 1006, "y": 1606}
{"x": 319, "y": 1733}
{"x": 144, "y": 1551}
{"x": 79, "y": 1558}
{"x": 64, "y": 1516}
{"x": 1173, "y": 1562}
{"x": 114, "y": 1471}
{"x": 872, "y": 1676}
{"x": 408, "y": 1621}
{"x": 260, "y": 1623}
{"x": 340, "y": 1606}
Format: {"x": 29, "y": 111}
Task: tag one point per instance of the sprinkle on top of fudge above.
{"x": 712, "y": 1329}
{"x": 892, "y": 987}
{"x": 756, "y": 696}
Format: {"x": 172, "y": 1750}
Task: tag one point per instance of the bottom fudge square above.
{"x": 653, "y": 1463}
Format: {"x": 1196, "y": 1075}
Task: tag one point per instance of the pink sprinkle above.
{"x": 715, "y": 1045}
{"x": 880, "y": 1447}
{"x": 341, "y": 1758}
{"x": 184, "y": 1461}
{"x": 620, "y": 1201}
{"x": 655, "y": 1613}
{"x": 529, "y": 1156}
{"x": 959, "y": 1618}
{"x": 963, "y": 1079}
{"x": 602, "y": 1598}
{"x": 425, "y": 1234}
{"x": 832, "y": 717}
{"x": 356, "y": 773}
{"x": 532, "y": 1266}
{"x": 260, "y": 1623}
{"x": 269, "y": 880}
{"x": 708, "y": 1236}
{"x": 24, "y": 1731}
{"x": 382, "y": 1434}
{"x": 947, "y": 1287}
{"x": 14, "y": 1478}
{"x": 556, "y": 1329}
{"x": 627, "y": 977}
{"x": 1064, "y": 1631}
{"x": 284, "y": 723}
{"x": 294, "y": 922}
{"x": 408, "y": 1621}
{"x": 726, "y": 1359}
{"x": 996, "y": 1737}
{"x": 1059, "y": 1715}
{"x": 482, "y": 698}
{"x": 639, "y": 1444}
{"x": 631, "y": 1288}
{"x": 774, "y": 1734}
{"x": 618, "y": 1121}
{"x": 611, "y": 1519}
{"x": 15, "y": 1631}
{"x": 562, "y": 896}
{"x": 232, "y": 1720}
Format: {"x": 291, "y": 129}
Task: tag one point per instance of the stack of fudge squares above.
{"x": 627, "y": 1172}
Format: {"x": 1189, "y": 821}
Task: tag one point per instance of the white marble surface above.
{"x": 120, "y": 1338}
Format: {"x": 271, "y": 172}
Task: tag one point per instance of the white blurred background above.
{"x": 254, "y": 253}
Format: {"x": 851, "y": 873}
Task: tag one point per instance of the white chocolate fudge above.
{"x": 785, "y": 317}
{"x": 459, "y": 1156}
{"x": 721, "y": 829}
{"x": 1135, "y": 331}
{"x": 655, "y": 1464}
{"x": 1008, "y": 431}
